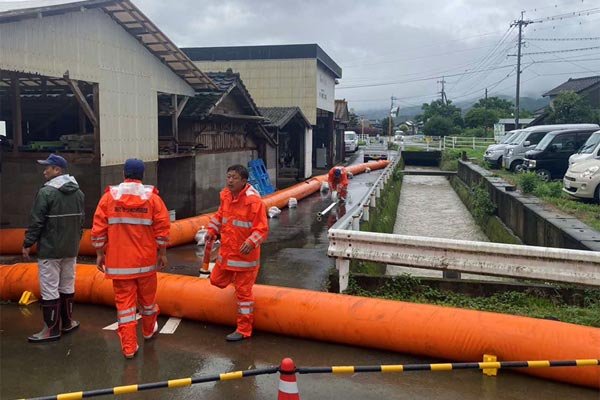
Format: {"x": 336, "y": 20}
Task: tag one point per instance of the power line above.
{"x": 573, "y": 14}
{"x": 563, "y": 59}
{"x": 562, "y": 51}
{"x": 562, "y": 39}
{"x": 414, "y": 80}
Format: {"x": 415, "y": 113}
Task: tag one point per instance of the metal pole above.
{"x": 325, "y": 211}
{"x": 365, "y": 214}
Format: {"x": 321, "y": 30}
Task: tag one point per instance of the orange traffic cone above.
{"x": 288, "y": 387}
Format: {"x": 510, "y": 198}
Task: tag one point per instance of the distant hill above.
{"x": 527, "y": 103}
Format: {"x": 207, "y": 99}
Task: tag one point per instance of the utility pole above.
{"x": 390, "y": 117}
{"x": 486, "y": 107}
{"x": 443, "y": 92}
{"x": 521, "y": 23}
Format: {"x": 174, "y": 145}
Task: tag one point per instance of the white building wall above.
{"x": 325, "y": 89}
{"x": 94, "y": 48}
{"x": 276, "y": 83}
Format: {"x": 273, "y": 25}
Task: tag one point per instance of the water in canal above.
{"x": 430, "y": 207}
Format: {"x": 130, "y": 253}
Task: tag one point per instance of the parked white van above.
{"x": 590, "y": 149}
{"x": 350, "y": 141}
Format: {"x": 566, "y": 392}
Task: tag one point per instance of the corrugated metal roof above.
{"x": 126, "y": 14}
{"x": 577, "y": 85}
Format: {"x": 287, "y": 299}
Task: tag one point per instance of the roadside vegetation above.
{"x": 551, "y": 193}
{"x": 381, "y": 219}
{"x": 531, "y": 303}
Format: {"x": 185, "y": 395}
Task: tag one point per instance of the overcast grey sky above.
{"x": 389, "y": 43}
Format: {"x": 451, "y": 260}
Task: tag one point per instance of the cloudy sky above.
{"x": 402, "y": 48}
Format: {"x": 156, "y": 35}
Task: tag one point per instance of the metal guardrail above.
{"x": 347, "y": 242}
{"x": 461, "y": 142}
{"x": 481, "y": 258}
{"x": 351, "y": 221}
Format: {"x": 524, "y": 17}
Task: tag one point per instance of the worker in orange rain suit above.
{"x": 338, "y": 181}
{"x": 242, "y": 223}
{"x": 131, "y": 222}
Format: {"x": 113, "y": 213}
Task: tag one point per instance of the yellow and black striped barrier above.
{"x": 171, "y": 384}
{"x": 178, "y": 383}
{"x": 446, "y": 366}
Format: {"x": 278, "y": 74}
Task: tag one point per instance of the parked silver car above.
{"x": 493, "y": 154}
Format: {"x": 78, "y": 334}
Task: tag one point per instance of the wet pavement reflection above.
{"x": 294, "y": 256}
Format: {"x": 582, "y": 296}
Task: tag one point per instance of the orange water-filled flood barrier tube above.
{"x": 442, "y": 333}
{"x": 184, "y": 230}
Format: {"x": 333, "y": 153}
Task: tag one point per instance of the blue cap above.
{"x": 337, "y": 172}
{"x": 54, "y": 160}
{"x": 133, "y": 166}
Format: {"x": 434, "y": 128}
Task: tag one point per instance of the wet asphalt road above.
{"x": 293, "y": 256}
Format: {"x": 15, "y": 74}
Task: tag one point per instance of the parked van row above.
{"x": 571, "y": 151}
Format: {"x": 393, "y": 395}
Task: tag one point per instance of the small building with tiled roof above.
{"x": 83, "y": 78}
{"x": 294, "y": 75}
{"x": 588, "y": 87}
{"x": 294, "y": 138}
{"x": 216, "y": 128}
{"x": 341, "y": 119}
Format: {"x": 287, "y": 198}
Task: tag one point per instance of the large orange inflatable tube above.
{"x": 442, "y": 333}
{"x": 184, "y": 230}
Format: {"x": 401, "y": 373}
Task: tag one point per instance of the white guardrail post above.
{"x": 481, "y": 258}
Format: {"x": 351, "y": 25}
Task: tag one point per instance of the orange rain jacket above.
{"x": 239, "y": 220}
{"x": 131, "y": 222}
{"x": 343, "y": 180}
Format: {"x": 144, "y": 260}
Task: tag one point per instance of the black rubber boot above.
{"x": 51, "y": 331}
{"x": 68, "y": 324}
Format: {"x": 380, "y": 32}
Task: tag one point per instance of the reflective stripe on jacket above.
{"x": 239, "y": 220}
{"x": 131, "y": 222}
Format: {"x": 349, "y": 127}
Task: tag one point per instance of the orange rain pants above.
{"x": 242, "y": 282}
{"x": 129, "y": 293}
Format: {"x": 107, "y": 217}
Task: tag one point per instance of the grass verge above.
{"x": 381, "y": 219}
{"x": 531, "y": 303}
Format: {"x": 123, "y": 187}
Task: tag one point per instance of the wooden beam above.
{"x": 73, "y": 84}
{"x": 96, "y": 105}
{"x": 16, "y": 112}
{"x": 181, "y": 105}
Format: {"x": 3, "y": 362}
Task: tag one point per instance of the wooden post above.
{"x": 174, "y": 125}
{"x": 16, "y": 112}
{"x": 82, "y": 121}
